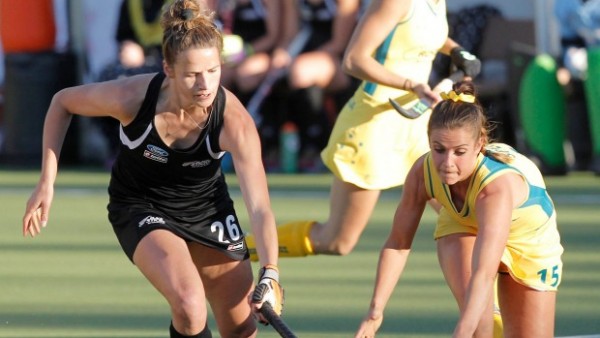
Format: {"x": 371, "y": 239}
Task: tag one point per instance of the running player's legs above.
{"x": 227, "y": 284}
{"x": 165, "y": 260}
{"x": 526, "y": 312}
{"x": 454, "y": 254}
{"x": 350, "y": 210}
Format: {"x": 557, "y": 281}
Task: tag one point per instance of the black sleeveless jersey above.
{"x": 185, "y": 184}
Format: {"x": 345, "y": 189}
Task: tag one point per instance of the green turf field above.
{"x": 74, "y": 281}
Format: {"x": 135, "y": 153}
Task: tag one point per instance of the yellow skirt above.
{"x": 533, "y": 260}
{"x": 372, "y": 146}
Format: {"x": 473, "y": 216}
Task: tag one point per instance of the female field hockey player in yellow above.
{"x": 496, "y": 220}
{"x": 169, "y": 203}
{"x": 372, "y": 146}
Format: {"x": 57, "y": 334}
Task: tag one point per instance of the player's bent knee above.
{"x": 189, "y": 314}
{"x": 340, "y": 248}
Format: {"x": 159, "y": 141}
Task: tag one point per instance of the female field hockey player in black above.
{"x": 169, "y": 204}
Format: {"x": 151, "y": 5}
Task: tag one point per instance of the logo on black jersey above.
{"x": 151, "y": 220}
{"x": 156, "y": 153}
{"x": 236, "y": 246}
{"x": 196, "y": 164}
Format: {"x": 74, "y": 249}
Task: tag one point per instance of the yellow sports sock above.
{"x": 251, "y": 247}
{"x": 294, "y": 240}
{"x": 498, "y": 326}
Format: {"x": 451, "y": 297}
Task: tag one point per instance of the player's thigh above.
{"x": 165, "y": 261}
{"x": 312, "y": 69}
{"x": 454, "y": 255}
{"x": 250, "y": 73}
{"x": 227, "y": 284}
{"x": 525, "y": 312}
{"x": 255, "y": 64}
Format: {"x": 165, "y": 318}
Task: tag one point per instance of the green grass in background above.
{"x": 74, "y": 281}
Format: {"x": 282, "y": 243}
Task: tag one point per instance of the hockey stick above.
{"x": 278, "y": 324}
{"x": 264, "y": 89}
{"x": 422, "y": 105}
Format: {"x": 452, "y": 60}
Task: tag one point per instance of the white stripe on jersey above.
{"x": 211, "y": 152}
{"x": 136, "y": 143}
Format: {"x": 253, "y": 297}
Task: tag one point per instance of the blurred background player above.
{"x": 316, "y": 75}
{"x": 256, "y": 33}
{"x": 139, "y": 23}
{"x": 253, "y": 27}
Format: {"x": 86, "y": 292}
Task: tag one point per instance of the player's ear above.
{"x": 481, "y": 142}
{"x": 168, "y": 70}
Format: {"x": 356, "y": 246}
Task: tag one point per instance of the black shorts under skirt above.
{"x": 131, "y": 222}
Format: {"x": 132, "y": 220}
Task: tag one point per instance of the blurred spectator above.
{"x": 256, "y": 33}
{"x": 315, "y": 75}
{"x": 588, "y": 20}
{"x": 139, "y": 38}
{"x": 571, "y": 74}
{"x": 139, "y": 22}
{"x": 251, "y": 29}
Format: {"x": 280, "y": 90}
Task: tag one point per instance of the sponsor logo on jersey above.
{"x": 157, "y": 150}
{"x": 236, "y": 246}
{"x": 156, "y": 153}
{"x": 196, "y": 164}
{"x": 151, "y": 220}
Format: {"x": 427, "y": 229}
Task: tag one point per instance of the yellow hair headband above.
{"x": 451, "y": 95}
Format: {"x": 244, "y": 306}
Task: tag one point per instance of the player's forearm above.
{"x": 55, "y": 128}
{"x": 389, "y": 269}
{"x": 477, "y": 296}
{"x": 265, "y": 230}
{"x": 367, "y": 69}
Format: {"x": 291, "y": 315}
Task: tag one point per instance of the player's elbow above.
{"x": 349, "y": 63}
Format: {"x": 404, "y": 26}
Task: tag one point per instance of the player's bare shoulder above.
{"x": 129, "y": 94}
{"x": 417, "y": 171}
{"x": 235, "y": 113}
{"x": 415, "y": 181}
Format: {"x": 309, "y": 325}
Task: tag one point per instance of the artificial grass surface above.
{"x": 74, "y": 281}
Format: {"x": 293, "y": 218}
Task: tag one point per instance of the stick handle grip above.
{"x": 278, "y": 324}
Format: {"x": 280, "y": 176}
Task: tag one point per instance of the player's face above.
{"x": 454, "y": 153}
{"x": 197, "y": 76}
